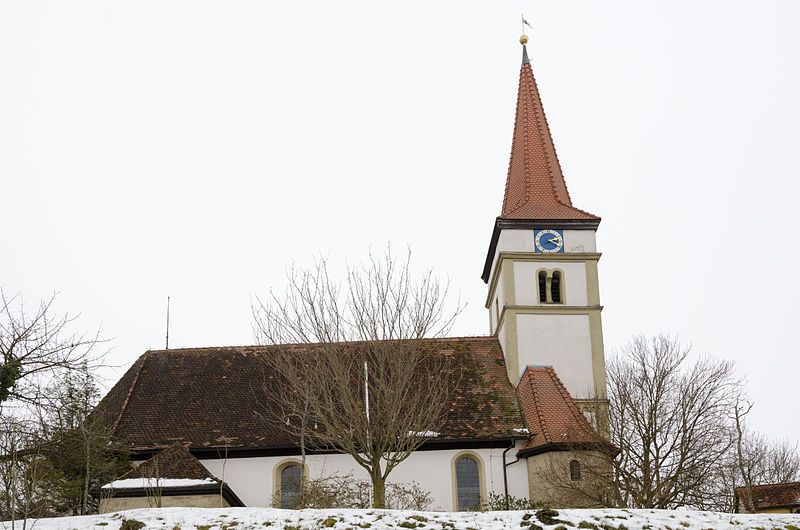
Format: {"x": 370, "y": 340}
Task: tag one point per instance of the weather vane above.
{"x": 524, "y": 38}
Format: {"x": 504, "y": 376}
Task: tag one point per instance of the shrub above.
{"x": 496, "y": 503}
{"x": 549, "y": 517}
{"x": 343, "y": 491}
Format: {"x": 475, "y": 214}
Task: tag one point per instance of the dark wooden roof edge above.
{"x": 219, "y": 453}
{"x": 529, "y": 224}
{"x": 169, "y": 491}
{"x": 603, "y": 447}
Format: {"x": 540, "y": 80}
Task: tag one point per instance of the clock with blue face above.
{"x": 548, "y": 241}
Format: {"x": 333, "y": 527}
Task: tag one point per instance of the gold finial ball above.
{"x": 523, "y": 40}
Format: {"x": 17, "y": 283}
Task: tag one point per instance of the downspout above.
{"x": 505, "y": 471}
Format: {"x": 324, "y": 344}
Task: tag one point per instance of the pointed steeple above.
{"x": 535, "y": 186}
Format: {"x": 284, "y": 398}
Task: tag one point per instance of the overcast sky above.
{"x": 196, "y": 149}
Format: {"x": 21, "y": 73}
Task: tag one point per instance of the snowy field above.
{"x": 266, "y": 518}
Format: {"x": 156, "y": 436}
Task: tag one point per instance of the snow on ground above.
{"x": 272, "y": 519}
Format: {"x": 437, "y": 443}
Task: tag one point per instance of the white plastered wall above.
{"x": 525, "y": 281}
{"x": 518, "y": 240}
{"x": 252, "y": 478}
{"x": 579, "y": 241}
{"x": 560, "y": 341}
{"x": 496, "y": 305}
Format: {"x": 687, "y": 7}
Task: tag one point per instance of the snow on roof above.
{"x": 151, "y": 483}
{"x": 424, "y": 434}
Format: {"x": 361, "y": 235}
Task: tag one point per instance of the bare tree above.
{"x": 581, "y": 475}
{"x": 669, "y": 421}
{"x": 151, "y": 482}
{"x": 78, "y": 447}
{"x": 22, "y": 472}
{"x": 38, "y": 344}
{"x": 782, "y": 463}
{"x": 746, "y": 461}
{"x": 356, "y": 375}
{"x": 758, "y": 460}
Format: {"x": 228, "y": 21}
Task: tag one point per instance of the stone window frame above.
{"x": 481, "y": 476}
{"x": 575, "y": 470}
{"x": 276, "y": 477}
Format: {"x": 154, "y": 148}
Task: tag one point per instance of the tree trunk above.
{"x": 303, "y": 469}
{"x": 86, "y": 478}
{"x": 744, "y": 468}
{"x": 378, "y": 492}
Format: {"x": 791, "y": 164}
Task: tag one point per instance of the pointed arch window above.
{"x": 468, "y": 484}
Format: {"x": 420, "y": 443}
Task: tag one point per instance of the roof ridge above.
{"x": 573, "y": 407}
{"x": 124, "y": 406}
{"x": 511, "y": 157}
{"x": 541, "y": 130}
{"x": 538, "y": 406}
{"x": 528, "y": 110}
{"x": 243, "y": 346}
{"x": 162, "y": 456}
{"x": 771, "y": 485}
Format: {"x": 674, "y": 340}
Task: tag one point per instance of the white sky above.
{"x": 195, "y": 149}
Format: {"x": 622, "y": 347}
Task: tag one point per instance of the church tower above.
{"x": 541, "y": 267}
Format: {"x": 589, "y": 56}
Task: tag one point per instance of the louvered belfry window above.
{"x": 290, "y": 486}
{"x": 542, "y": 287}
{"x": 551, "y": 286}
{"x": 468, "y": 484}
{"x": 555, "y": 287}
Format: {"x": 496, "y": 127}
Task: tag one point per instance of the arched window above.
{"x": 468, "y": 484}
{"x": 551, "y": 286}
{"x": 555, "y": 287}
{"x": 542, "y": 287}
{"x": 290, "y": 478}
{"x": 574, "y": 470}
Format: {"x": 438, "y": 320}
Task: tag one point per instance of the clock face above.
{"x": 549, "y": 241}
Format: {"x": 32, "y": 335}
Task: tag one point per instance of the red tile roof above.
{"x": 766, "y": 496}
{"x": 552, "y": 416}
{"x": 535, "y": 187}
{"x": 212, "y": 398}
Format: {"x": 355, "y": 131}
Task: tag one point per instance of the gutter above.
{"x": 602, "y": 447}
{"x": 213, "y": 453}
{"x": 505, "y": 469}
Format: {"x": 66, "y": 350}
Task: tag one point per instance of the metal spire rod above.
{"x": 167, "y": 346}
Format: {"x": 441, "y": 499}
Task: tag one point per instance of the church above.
{"x": 531, "y": 419}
